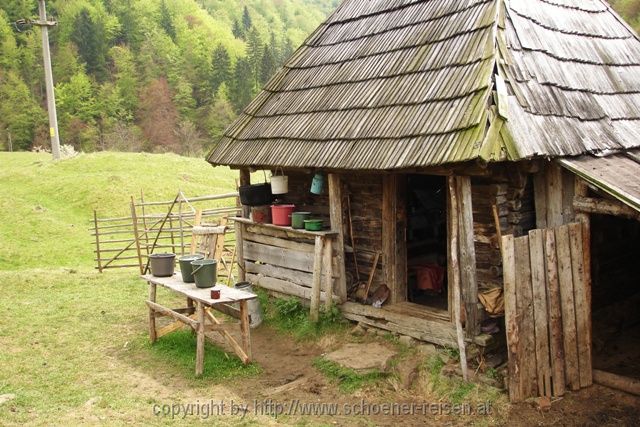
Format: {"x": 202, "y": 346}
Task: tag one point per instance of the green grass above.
{"x": 290, "y": 316}
{"x": 46, "y": 206}
{"x": 348, "y": 380}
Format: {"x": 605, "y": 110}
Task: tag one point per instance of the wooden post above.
{"x": 245, "y": 179}
{"x": 317, "y": 275}
{"x": 95, "y": 225}
{"x": 134, "y": 220}
{"x": 244, "y": 328}
{"x": 242, "y": 274}
{"x": 152, "y": 315}
{"x": 337, "y": 211}
{"x": 468, "y": 256}
{"x": 394, "y": 248}
{"x": 456, "y": 277}
{"x": 554, "y": 195}
{"x": 144, "y": 223}
{"x": 181, "y": 223}
{"x": 328, "y": 272}
{"x": 200, "y": 339}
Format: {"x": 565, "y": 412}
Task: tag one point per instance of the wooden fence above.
{"x": 547, "y": 312}
{"x": 152, "y": 227}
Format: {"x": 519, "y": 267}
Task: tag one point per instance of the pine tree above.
{"x": 242, "y": 86}
{"x": 88, "y": 36}
{"x": 286, "y": 51}
{"x": 166, "y": 21}
{"x": 246, "y": 20}
{"x": 254, "y": 54}
{"x": 237, "y": 30}
{"x": 268, "y": 66}
{"x": 221, "y": 65}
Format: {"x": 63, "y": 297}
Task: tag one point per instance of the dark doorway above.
{"x": 615, "y": 267}
{"x": 427, "y": 241}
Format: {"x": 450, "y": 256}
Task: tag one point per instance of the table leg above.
{"x": 200, "y": 339}
{"x": 152, "y": 315}
{"x": 190, "y": 305}
{"x": 245, "y": 329}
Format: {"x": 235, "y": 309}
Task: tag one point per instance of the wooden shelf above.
{"x": 303, "y": 233}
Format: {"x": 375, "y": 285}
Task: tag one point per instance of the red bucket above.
{"x": 281, "y": 214}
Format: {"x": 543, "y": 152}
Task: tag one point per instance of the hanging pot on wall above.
{"x": 256, "y": 194}
{"x": 317, "y": 183}
{"x": 279, "y": 183}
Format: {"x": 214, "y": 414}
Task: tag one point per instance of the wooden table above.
{"x": 198, "y": 314}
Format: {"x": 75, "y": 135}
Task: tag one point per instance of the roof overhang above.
{"x": 617, "y": 175}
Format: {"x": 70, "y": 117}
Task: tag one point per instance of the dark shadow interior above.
{"x": 615, "y": 265}
{"x": 427, "y": 241}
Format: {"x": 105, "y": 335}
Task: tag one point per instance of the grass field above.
{"x": 73, "y": 342}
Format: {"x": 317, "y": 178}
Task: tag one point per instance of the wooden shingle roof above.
{"x": 393, "y": 84}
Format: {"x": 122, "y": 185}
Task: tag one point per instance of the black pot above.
{"x": 256, "y": 194}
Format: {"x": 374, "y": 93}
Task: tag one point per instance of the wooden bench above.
{"x": 198, "y": 315}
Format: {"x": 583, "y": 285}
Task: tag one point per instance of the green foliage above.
{"x": 290, "y": 316}
{"x": 348, "y": 379}
{"x": 19, "y": 113}
{"x": 107, "y": 54}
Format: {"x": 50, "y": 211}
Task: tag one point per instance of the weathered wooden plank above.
{"x": 554, "y": 195}
{"x": 539, "y": 286}
{"x": 284, "y": 287}
{"x": 317, "y": 280}
{"x": 200, "y": 338}
{"x": 468, "y": 269}
{"x": 526, "y": 321}
{"x": 240, "y": 256}
{"x": 337, "y": 224}
{"x": 604, "y": 207}
{"x": 278, "y": 242}
{"x": 565, "y": 276}
{"x": 298, "y": 277}
{"x": 511, "y": 319}
{"x": 435, "y": 331}
{"x": 278, "y": 256}
{"x": 245, "y": 179}
{"x": 556, "y": 339}
{"x": 583, "y": 310}
{"x": 327, "y": 271}
{"x": 568, "y": 193}
{"x": 394, "y": 250}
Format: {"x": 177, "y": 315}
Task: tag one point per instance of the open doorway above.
{"x": 427, "y": 241}
{"x": 615, "y": 251}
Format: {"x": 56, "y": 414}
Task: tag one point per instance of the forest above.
{"x": 150, "y": 75}
{"x": 143, "y": 75}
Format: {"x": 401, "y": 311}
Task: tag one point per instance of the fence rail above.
{"x": 157, "y": 226}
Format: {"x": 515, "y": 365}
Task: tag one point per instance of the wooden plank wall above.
{"x": 547, "y": 312}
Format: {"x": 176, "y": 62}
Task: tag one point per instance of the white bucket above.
{"x": 279, "y": 183}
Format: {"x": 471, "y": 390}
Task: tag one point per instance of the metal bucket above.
{"x": 186, "y": 269}
{"x": 255, "y": 311}
{"x": 205, "y": 272}
{"x": 162, "y": 265}
{"x": 317, "y": 183}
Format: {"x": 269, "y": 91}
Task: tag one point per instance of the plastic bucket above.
{"x": 297, "y": 219}
{"x": 261, "y": 214}
{"x": 205, "y": 272}
{"x": 255, "y": 311}
{"x": 186, "y": 269}
{"x": 313, "y": 224}
{"x": 279, "y": 183}
{"x": 281, "y": 214}
{"x": 162, "y": 265}
{"x": 317, "y": 183}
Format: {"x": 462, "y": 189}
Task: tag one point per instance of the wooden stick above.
{"x": 136, "y": 236}
{"x": 155, "y": 241}
{"x": 371, "y": 275}
{"x": 353, "y": 243}
{"x": 496, "y": 219}
{"x": 144, "y": 222}
{"x": 230, "y": 268}
{"x": 607, "y": 379}
{"x": 230, "y": 339}
{"x": 95, "y": 222}
{"x": 456, "y": 277}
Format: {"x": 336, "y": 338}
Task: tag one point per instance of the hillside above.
{"x": 152, "y": 75}
{"x": 46, "y": 207}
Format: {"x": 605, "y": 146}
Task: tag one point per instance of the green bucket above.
{"x": 297, "y": 219}
{"x": 205, "y": 272}
{"x": 186, "y": 269}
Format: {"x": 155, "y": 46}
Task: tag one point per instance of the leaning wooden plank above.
{"x": 278, "y": 256}
{"x": 526, "y": 321}
{"x": 565, "y": 276}
{"x": 539, "y": 286}
{"x": 556, "y": 340}
{"x": 317, "y": 280}
{"x": 583, "y": 311}
{"x": 617, "y": 382}
{"x": 511, "y": 319}
{"x": 468, "y": 270}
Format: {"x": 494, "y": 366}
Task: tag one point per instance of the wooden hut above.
{"x": 440, "y": 127}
